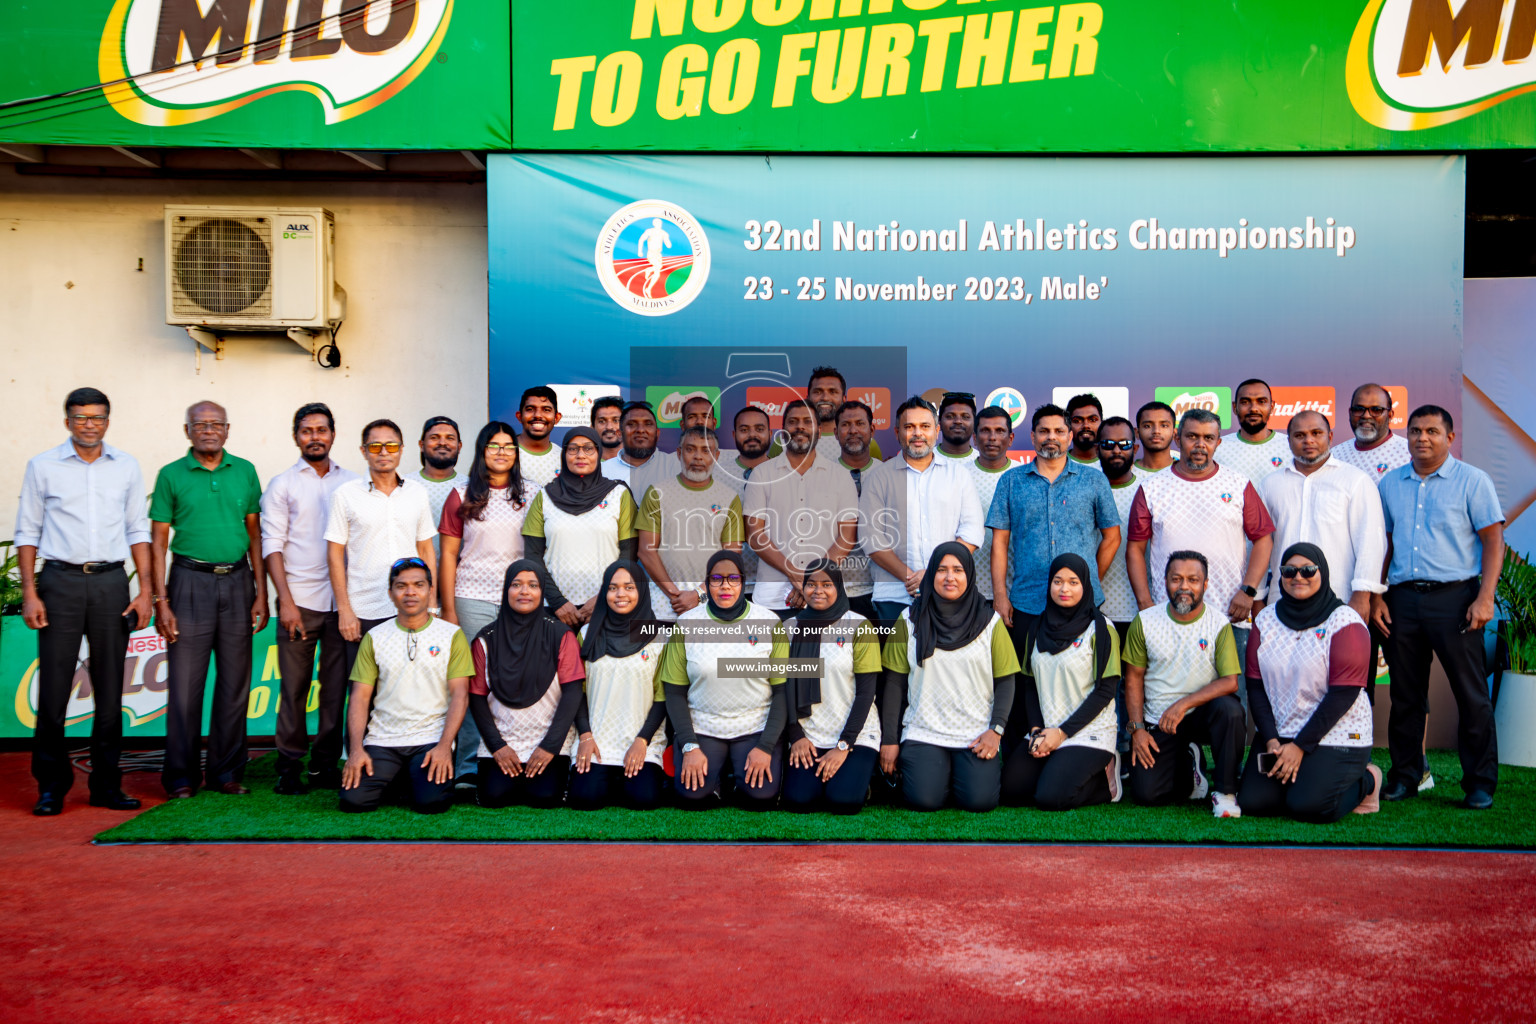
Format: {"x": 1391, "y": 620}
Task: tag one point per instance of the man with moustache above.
{"x": 827, "y": 391}
{"x": 645, "y": 465}
{"x": 699, "y": 411}
{"x": 798, "y": 508}
{"x": 1200, "y": 505}
{"x": 994, "y": 436}
{"x": 1181, "y": 670}
{"x": 1253, "y": 449}
{"x": 1084, "y": 414}
{"x": 538, "y": 457}
{"x": 1374, "y": 450}
{"x": 855, "y": 433}
{"x": 912, "y": 504}
{"x": 683, "y": 521}
{"x": 1050, "y": 507}
{"x": 294, "y": 510}
{"x": 1155, "y": 432}
{"x": 440, "y": 447}
{"x": 957, "y": 422}
{"x": 605, "y": 420}
{"x": 753, "y": 432}
{"x": 1117, "y": 454}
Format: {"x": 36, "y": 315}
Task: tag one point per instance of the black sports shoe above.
{"x": 289, "y": 784}
{"x": 326, "y": 778}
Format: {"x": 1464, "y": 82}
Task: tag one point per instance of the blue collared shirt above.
{"x": 1046, "y": 519}
{"x": 77, "y": 511}
{"x": 1433, "y": 521}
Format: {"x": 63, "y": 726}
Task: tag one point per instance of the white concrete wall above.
{"x": 76, "y": 311}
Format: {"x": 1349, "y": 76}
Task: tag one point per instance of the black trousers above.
{"x": 90, "y": 607}
{"x": 1068, "y": 778}
{"x": 1019, "y": 631}
{"x": 603, "y": 785}
{"x": 843, "y": 793}
{"x": 1423, "y": 625}
{"x": 213, "y": 617}
{"x": 1330, "y": 783}
{"x": 929, "y": 774}
{"x": 426, "y": 796}
{"x": 734, "y": 753}
{"x": 353, "y": 646}
{"x": 495, "y": 788}
{"x": 296, "y": 663}
{"x": 1220, "y": 723}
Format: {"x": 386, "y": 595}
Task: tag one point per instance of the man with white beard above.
{"x": 684, "y": 519}
{"x": 1374, "y": 450}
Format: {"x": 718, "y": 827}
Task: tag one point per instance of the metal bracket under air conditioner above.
{"x": 205, "y": 338}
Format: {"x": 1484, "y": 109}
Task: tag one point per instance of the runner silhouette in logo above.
{"x": 652, "y": 242}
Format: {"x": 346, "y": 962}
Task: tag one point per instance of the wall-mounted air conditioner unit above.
{"x": 252, "y": 269}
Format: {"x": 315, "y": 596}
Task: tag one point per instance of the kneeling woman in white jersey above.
{"x": 950, "y": 670}
{"x": 525, "y": 695}
{"x": 734, "y": 718}
{"x": 1059, "y": 751}
{"x": 833, "y": 732}
{"x": 1308, "y": 666}
{"x": 621, "y": 720}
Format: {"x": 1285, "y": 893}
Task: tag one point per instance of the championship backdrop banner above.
{"x": 973, "y": 76}
{"x": 1019, "y": 280}
{"x": 331, "y": 74}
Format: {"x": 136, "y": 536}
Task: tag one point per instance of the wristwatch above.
{"x": 997, "y": 729}
{"x": 1133, "y": 726}
{"x": 689, "y": 748}
{"x": 1250, "y": 591}
{"x": 842, "y": 745}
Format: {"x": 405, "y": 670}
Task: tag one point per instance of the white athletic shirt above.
{"x": 1255, "y": 460}
{"x": 848, "y": 648}
{"x": 1391, "y": 454}
{"x": 578, "y": 549}
{"x": 949, "y": 697}
{"x": 1065, "y": 679}
{"x": 986, "y": 486}
{"x": 1179, "y": 657}
{"x": 486, "y": 545}
{"x": 725, "y": 709}
{"x": 538, "y": 470}
{"x": 1296, "y": 668}
{"x": 410, "y": 694}
{"x": 690, "y": 525}
{"x": 1119, "y": 600}
{"x": 620, "y": 694}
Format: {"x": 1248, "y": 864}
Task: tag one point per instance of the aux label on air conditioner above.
{"x": 175, "y": 62}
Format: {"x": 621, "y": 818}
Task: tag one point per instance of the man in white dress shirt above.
{"x": 294, "y": 509}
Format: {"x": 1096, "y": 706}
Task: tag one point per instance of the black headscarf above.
{"x": 738, "y": 609}
{"x": 1312, "y": 611}
{"x": 1060, "y": 626}
{"x": 576, "y": 495}
{"x": 610, "y": 633}
{"x": 807, "y": 629}
{"x": 940, "y": 624}
{"x": 522, "y": 650}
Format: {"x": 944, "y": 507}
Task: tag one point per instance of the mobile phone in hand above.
{"x": 1267, "y": 762}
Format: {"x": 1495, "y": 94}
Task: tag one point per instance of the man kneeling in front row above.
{"x": 415, "y": 670}
{"x": 1181, "y": 670}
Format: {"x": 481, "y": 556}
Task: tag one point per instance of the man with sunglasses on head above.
{"x": 372, "y": 524}
{"x": 82, "y": 512}
{"x": 206, "y": 511}
{"x": 957, "y": 422}
{"x": 1374, "y": 450}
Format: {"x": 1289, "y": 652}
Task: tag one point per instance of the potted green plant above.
{"x": 1515, "y": 710}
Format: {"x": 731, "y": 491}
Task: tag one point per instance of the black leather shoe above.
{"x": 288, "y": 785}
{"x": 1478, "y": 800}
{"x": 327, "y": 779}
{"x": 1396, "y": 791}
{"x": 116, "y": 800}
{"x": 48, "y": 805}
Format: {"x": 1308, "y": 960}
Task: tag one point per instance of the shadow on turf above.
{"x": 1434, "y": 819}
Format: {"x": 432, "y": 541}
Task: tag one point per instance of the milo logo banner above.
{"x": 395, "y": 74}
{"x": 1020, "y": 281}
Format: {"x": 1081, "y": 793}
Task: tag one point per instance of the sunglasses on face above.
{"x": 732, "y": 579}
{"x": 375, "y": 447}
{"x": 1369, "y": 410}
{"x": 1290, "y": 572}
{"x": 1113, "y": 446}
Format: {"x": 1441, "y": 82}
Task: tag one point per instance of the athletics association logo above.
{"x": 1320, "y": 633}
{"x": 652, "y": 257}
{"x": 1227, "y": 498}
{"x": 434, "y": 650}
{"x": 1204, "y": 643}
{"x": 1275, "y": 462}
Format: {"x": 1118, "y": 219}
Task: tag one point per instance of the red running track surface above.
{"x": 316, "y": 933}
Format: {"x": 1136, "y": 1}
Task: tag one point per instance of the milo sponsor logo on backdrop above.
{"x": 1416, "y": 64}
{"x": 1183, "y": 399}
{"x": 175, "y": 62}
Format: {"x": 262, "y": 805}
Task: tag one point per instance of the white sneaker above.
{"x": 1113, "y": 771}
{"x": 1427, "y": 783}
{"x": 1224, "y": 805}
{"x": 1201, "y": 785}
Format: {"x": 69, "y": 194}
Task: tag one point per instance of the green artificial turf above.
{"x": 1432, "y": 819}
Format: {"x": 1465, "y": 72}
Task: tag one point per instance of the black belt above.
{"x": 217, "y": 568}
{"x": 1430, "y": 586}
{"x": 88, "y": 568}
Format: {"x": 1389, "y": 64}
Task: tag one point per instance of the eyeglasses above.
{"x": 207, "y": 425}
{"x": 1290, "y": 572}
{"x": 1369, "y": 410}
{"x": 1112, "y": 446}
{"x": 499, "y": 449}
{"x": 733, "y": 579}
{"x": 375, "y": 447}
{"x": 95, "y": 421}
{"x": 581, "y": 449}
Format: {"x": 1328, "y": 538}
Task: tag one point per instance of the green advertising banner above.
{"x": 323, "y": 74}
{"x": 992, "y": 76}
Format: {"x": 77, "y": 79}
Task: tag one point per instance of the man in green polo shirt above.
{"x": 206, "y": 508}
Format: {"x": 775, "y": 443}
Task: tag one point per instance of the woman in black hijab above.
{"x": 621, "y": 722}
{"x": 525, "y": 695}
{"x": 1059, "y": 751}
{"x": 725, "y": 720}
{"x": 578, "y": 525}
{"x": 833, "y": 731}
{"x": 949, "y": 686}
{"x": 1308, "y": 666}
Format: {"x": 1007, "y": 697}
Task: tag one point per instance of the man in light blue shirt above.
{"x": 83, "y": 512}
{"x": 1445, "y": 535}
